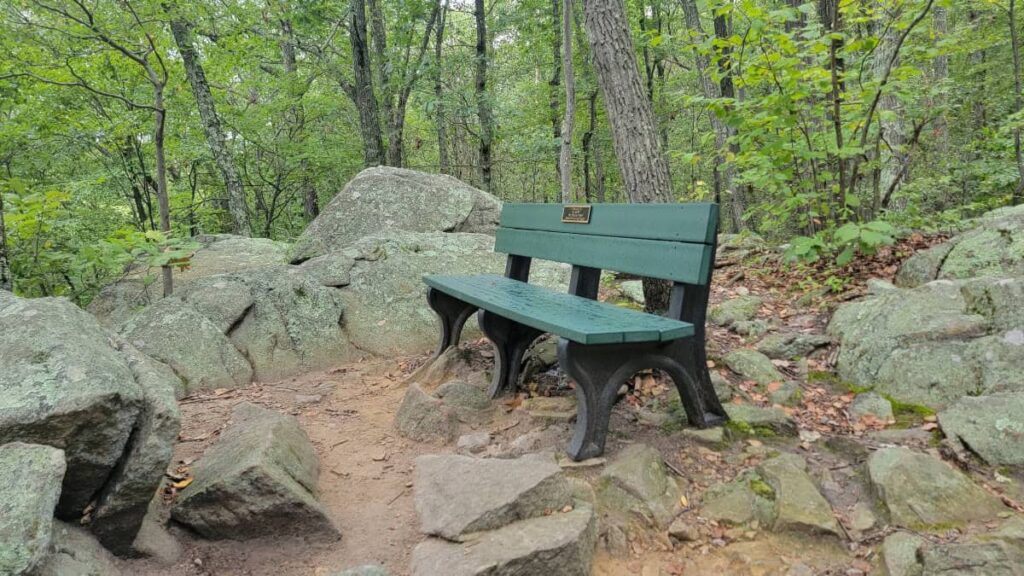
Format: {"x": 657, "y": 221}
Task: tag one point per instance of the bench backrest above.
{"x": 668, "y": 241}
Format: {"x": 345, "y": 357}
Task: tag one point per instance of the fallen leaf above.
{"x": 182, "y": 484}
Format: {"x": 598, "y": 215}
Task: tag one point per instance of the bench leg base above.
{"x": 600, "y": 370}
{"x": 511, "y": 340}
{"x": 452, "y": 313}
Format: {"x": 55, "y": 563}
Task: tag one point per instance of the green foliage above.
{"x": 845, "y": 242}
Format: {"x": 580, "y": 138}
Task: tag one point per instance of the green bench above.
{"x": 600, "y": 345}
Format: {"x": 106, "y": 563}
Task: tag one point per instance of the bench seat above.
{"x": 572, "y": 317}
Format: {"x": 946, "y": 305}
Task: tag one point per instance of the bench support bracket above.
{"x": 453, "y": 314}
{"x": 599, "y": 372}
{"x": 511, "y": 340}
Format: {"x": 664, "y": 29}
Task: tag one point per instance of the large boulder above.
{"x": 384, "y": 198}
{"x": 259, "y": 479}
{"x": 994, "y": 246}
{"x": 385, "y": 310}
{"x": 936, "y": 343}
{"x": 30, "y": 480}
{"x": 491, "y": 493}
{"x": 922, "y": 492}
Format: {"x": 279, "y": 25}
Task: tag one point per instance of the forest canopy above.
{"x": 128, "y": 127}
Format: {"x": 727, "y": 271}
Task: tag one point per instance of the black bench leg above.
{"x": 453, "y": 314}
{"x": 696, "y": 365}
{"x": 600, "y": 370}
{"x": 511, "y": 340}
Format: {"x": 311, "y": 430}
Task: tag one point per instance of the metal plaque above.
{"x": 576, "y": 214}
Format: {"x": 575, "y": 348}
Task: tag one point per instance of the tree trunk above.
{"x": 440, "y": 119}
{"x": 6, "y": 280}
{"x": 634, "y": 134}
{"x": 160, "y": 116}
{"x": 892, "y": 153}
{"x": 362, "y": 88}
{"x": 940, "y": 73}
{"x": 569, "y": 124}
{"x": 483, "y": 103}
{"x": 556, "y": 78}
{"x": 385, "y": 72}
{"x": 1018, "y": 193}
{"x": 237, "y": 207}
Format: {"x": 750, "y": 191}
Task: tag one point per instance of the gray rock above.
{"x": 423, "y": 417}
{"x": 745, "y": 500}
{"x": 385, "y": 312}
{"x": 551, "y": 408}
{"x": 473, "y": 443}
{"x": 76, "y": 553}
{"x": 383, "y": 198}
{"x": 66, "y": 386}
{"x": 540, "y": 358}
{"x": 223, "y": 300}
{"x": 990, "y": 426}
{"x": 367, "y": 570}
{"x": 899, "y": 554}
{"x": 123, "y": 503}
{"x": 154, "y": 540}
{"x": 799, "y": 506}
{"x": 491, "y": 492}
{"x": 735, "y": 310}
{"x": 749, "y": 419}
{"x": 199, "y": 353}
{"x": 259, "y": 479}
{"x": 636, "y": 481}
{"x": 923, "y": 267}
{"x": 752, "y": 365}
{"x": 683, "y": 531}
{"x": 871, "y": 404}
{"x": 788, "y": 345}
{"x": 723, "y": 388}
{"x": 30, "y": 481}
{"x": 971, "y": 559}
{"x": 878, "y": 286}
{"x": 922, "y": 492}
{"x": 633, "y": 290}
{"x": 561, "y": 544}
{"x": 463, "y": 397}
{"x": 713, "y": 437}
{"x": 789, "y": 394}
{"x": 751, "y": 328}
{"x": 737, "y": 247}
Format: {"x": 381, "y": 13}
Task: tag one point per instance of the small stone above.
{"x": 308, "y": 399}
{"x": 633, "y": 290}
{"x": 789, "y": 394}
{"x": 862, "y": 518}
{"x": 637, "y": 481}
{"x": 551, "y": 408}
{"x": 367, "y": 570}
{"x": 790, "y": 345}
{"x": 683, "y": 531}
{"x": 899, "y": 554}
{"x": 713, "y": 437}
{"x": 723, "y": 388}
{"x": 752, "y": 328}
{"x": 423, "y": 417}
{"x": 871, "y": 404}
{"x": 799, "y": 506}
{"x": 616, "y": 542}
{"x": 752, "y": 365}
{"x": 735, "y": 310}
{"x": 491, "y": 493}
{"x": 473, "y": 443}
{"x": 749, "y": 419}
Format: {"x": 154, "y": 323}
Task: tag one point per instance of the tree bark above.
{"x": 310, "y": 199}
{"x": 1018, "y": 193}
{"x": 362, "y": 88}
{"x": 483, "y": 102}
{"x": 634, "y": 134}
{"x": 160, "y": 117}
{"x": 569, "y": 124}
{"x": 892, "y": 131}
{"x": 554, "y": 95}
{"x": 440, "y": 119}
{"x": 237, "y": 206}
{"x": 6, "y": 279}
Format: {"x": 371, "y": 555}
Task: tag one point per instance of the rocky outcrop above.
{"x": 382, "y": 198}
{"x": 922, "y": 492}
{"x": 30, "y": 481}
{"x": 259, "y": 479}
{"x": 70, "y": 384}
{"x": 993, "y": 246}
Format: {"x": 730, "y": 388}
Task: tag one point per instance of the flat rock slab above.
{"x": 259, "y": 479}
{"x": 457, "y": 495}
{"x": 789, "y": 345}
{"x": 990, "y": 426}
{"x": 799, "y": 506}
{"x": 752, "y": 365}
{"x": 561, "y": 544}
{"x": 749, "y": 419}
{"x": 77, "y": 553}
{"x": 30, "y": 482}
{"x": 637, "y": 481}
{"x": 923, "y": 492}
{"x": 735, "y": 310}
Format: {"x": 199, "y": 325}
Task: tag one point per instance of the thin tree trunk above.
{"x": 440, "y": 119}
{"x": 483, "y": 103}
{"x": 1018, "y": 193}
{"x": 310, "y": 200}
{"x": 569, "y": 124}
{"x": 891, "y": 126}
{"x": 385, "y": 71}
{"x": 237, "y": 207}
{"x": 6, "y": 279}
{"x": 160, "y": 116}
{"x": 634, "y": 134}
{"x": 554, "y": 96}
{"x": 940, "y": 73}
{"x": 362, "y": 88}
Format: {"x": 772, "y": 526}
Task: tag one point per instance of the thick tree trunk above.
{"x": 483, "y": 102}
{"x": 6, "y": 279}
{"x": 237, "y": 206}
{"x": 634, "y": 134}
{"x": 362, "y": 88}
{"x": 569, "y": 124}
{"x": 440, "y": 119}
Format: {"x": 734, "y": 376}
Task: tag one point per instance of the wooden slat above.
{"x": 572, "y": 317}
{"x": 678, "y": 261}
{"x": 696, "y": 222}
